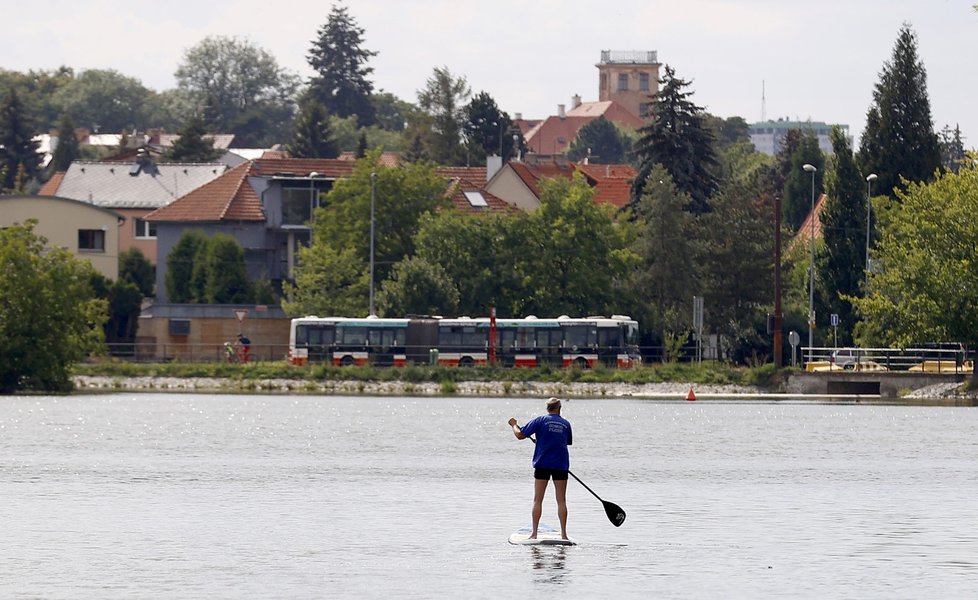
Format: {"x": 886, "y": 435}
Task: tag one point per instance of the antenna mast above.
{"x": 763, "y": 104}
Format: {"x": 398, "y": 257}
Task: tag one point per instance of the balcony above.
{"x": 635, "y": 57}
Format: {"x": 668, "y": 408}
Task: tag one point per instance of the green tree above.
{"x": 417, "y": 287}
{"x": 728, "y": 132}
{"x": 240, "y": 88}
{"x": 578, "y": 255}
{"x": 844, "y": 232}
{"x": 899, "y": 139}
{"x": 471, "y": 249}
{"x": 679, "y": 139}
{"x": 952, "y": 148}
{"x": 192, "y": 146}
{"x": 487, "y": 129}
{"x": 735, "y": 250}
{"x": 49, "y": 316}
{"x": 225, "y": 279}
{"x": 67, "y": 150}
{"x": 104, "y": 100}
{"x": 340, "y": 63}
{"x": 311, "y": 134}
{"x": 402, "y": 196}
{"x": 124, "y": 301}
{"x": 136, "y": 269}
{"x": 18, "y": 150}
{"x": 180, "y": 267}
{"x": 328, "y": 282}
{"x": 665, "y": 280}
{"x": 332, "y": 270}
{"x": 443, "y": 101}
{"x": 601, "y": 143}
{"x": 925, "y": 289}
{"x": 391, "y": 112}
{"x": 796, "y": 200}
{"x": 38, "y": 90}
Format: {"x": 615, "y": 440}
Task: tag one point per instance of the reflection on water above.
{"x": 549, "y": 560}
{"x": 220, "y": 496}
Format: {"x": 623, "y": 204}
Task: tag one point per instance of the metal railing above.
{"x": 919, "y": 359}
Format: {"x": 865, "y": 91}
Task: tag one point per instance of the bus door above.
{"x": 317, "y": 341}
{"x": 580, "y": 345}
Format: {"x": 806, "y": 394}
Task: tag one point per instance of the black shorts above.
{"x": 546, "y": 474}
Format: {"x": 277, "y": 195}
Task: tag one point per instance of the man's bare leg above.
{"x": 539, "y": 489}
{"x": 560, "y": 489}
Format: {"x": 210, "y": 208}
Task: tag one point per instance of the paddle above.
{"x": 615, "y": 513}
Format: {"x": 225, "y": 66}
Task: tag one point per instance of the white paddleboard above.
{"x": 546, "y": 536}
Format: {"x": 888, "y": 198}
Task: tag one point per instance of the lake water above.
{"x": 221, "y": 496}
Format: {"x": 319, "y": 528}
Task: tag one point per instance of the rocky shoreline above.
{"x": 948, "y": 393}
{"x": 678, "y": 391}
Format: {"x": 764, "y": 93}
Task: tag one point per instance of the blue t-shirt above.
{"x": 553, "y": 434}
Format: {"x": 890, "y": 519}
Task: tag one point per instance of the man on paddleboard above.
{"x": 550, "y": 460}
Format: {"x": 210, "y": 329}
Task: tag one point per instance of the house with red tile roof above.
{"x": 812, "y": 222}
{"x": 518, "y": 183}
{"x": 269, "y": 204}
{"x": 133, "y": 189}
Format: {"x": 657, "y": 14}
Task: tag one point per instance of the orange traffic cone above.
{"x": 691, "y": 396}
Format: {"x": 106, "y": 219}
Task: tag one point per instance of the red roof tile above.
{"x": 457, "y": 188}
{"x": 228, "y": 198}
{"x": 804, "y": 232}
{"x": 50, "y": 188}
{"x": 473, "y": 174}
{"x": 612, "y": 183}
{"x": 330, "y": 168}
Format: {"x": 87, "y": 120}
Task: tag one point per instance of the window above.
{"x": 145, "y": 229}
{"x": 645, "y": 109}
{"x": 476, "y": 199}
{"x": 179, "y": 327}
{"x": 296, "y": 206}
{"x": 643, "y": 82}
{"x": 91, "y": 240}
{"x": 623, "y": 82}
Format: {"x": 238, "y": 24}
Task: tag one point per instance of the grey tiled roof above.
{"x": 110, "y": 184}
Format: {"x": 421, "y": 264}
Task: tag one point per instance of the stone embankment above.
{"x": 678, "y": 391}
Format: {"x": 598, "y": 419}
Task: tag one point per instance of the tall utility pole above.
{"x": 777, "y": 282}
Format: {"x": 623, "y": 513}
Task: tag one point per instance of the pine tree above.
{"x": 67, "y": 150}
{"x": 312, "y": 136}
{"x": 899, "y": 139}
{"x": 679, "y": 139}
{"x": 600, "y": 142}
{"x": 362, "y": 146}
{"x": 797, "y": 191}
{"x": 952, "y": 148}
{"x": 844, "y": 232}
{"x": 191, "y": 146}
{"x": 18, "y": 150}
{"x": 339, "y": 61}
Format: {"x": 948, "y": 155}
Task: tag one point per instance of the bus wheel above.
{"x": 582, "y": 363}
{"x": 347, "y": 361}
{"x": 466, "y": 361}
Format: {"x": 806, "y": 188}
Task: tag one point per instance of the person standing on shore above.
{"x": 551, "y": 460}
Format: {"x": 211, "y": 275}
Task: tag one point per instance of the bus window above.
{"x": 507, "y": 338}
{"x": 525, "y": 338}
{"x": 352, "y": 336}
{"x": 473, "y": 338}
{"x": 576, "y": 336}
{"x": 609, "y": 337}
{"x": 549, "y": 338}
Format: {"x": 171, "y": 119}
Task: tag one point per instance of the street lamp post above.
{"x": 811, "y": 273}
{"x": 373, "y": 195}
{"x": 869, "y": 194}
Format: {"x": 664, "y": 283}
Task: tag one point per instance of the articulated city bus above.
{"x": 526, "y": 342}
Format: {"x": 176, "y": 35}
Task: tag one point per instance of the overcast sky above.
{"x": 815, "y": 60}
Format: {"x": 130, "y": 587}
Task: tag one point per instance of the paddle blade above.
{"x": 615, "y": 513}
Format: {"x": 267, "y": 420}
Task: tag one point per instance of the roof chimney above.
{"x": 575, "y": 101}
{"x": 518, "y": 117}
{"x": 560, "y": 111}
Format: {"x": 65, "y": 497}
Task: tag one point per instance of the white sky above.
{"x": 817, "y": 60}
